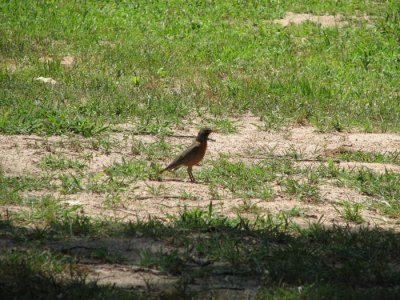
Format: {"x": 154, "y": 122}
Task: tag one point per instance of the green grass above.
{"x": 71, "y": 184}
{"x": 60, "y": 162}
{"x": 302, "y": 190}
{"x": 247, "y": 180}
{"x": 384, "y": 188}
{"x": 351, "y": 212}
{"x": 154, "y": 63}
{"x": 156, "y": 150}
{"x": 372, "y": 157}
{"x": 137, "y": 169}
{"x": 12, "y": 186}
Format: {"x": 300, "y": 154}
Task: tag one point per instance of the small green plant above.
{"x": 156, "y": 150}
{"x": 60, "y": 162}
{"x": 103, "y": 143}
{"x": 157, "y": 189}
{"x": 294, "y": 153}
{"x": 213, "y": 191}
{"x": 101, "y": 183}
{"x": 113, "y": 200}
{"x": 70, "y": 184}
{"x": 293, "y": 212}
{"x": 138, "y": 169}
{"x": 351, "y": 212}
{"x": 222, "y": 125}
{"x": 12, "y": 186}
{"x": 248, "y": 207}
{"x": 241, "y": 179}
{"x": 302, "y": 190}
{"x": 388, "y": 157}
{"x": 188, "y": 196}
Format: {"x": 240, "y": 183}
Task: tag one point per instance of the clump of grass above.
{"x": 373, "y": 157}
{"x": 222, "y": 125}
{"x": 113, "y": 200}
{"x": 71, "y": 184}
{"x": 155, "y": 150}
{"x": 244, "y": 180}
{"x": 293, "y": 212}
{"x": 385, "y": 186}
{"x": 188, "y": 196}
{"x": 137, "y": 169}
{"x": 60, "y": 162}
{"x": 302, "y": 190}
{"x": 100, "y": 183}
{"x": 247, "y": 207}
{"x": 157, "y": 189}
{"x": 351, "y": 212}
{"x": 12, "y": 186}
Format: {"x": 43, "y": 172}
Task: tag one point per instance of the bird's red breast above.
{"x": 200, "y": 152}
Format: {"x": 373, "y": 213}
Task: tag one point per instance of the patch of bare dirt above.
{"x": 324, "y": 20}
{"x": 298, "y": 18}
{"x": 67, "y": 60}
{"x": 127, "y": 277}
{"x": 18, "y": 156}
{"x": 48, "y": 80}
{"x": 163, "y": 286}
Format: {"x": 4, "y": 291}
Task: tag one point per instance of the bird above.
{"x": 192, "y": 155}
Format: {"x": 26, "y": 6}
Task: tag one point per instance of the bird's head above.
{"x": 203, "y": 134}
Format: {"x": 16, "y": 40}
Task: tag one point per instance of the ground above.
{"x": 160, "y": 197}
{"x": 298, "y": 194}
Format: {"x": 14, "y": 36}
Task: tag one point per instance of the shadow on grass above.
{"x": 210, "y": 255}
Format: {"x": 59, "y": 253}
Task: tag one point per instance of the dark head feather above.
{"x": 203, "y": 134}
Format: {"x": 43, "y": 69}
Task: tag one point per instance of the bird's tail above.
{"x": 171, "y": 167}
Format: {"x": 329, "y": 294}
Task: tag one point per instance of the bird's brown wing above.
{"x": 186, "y": 156}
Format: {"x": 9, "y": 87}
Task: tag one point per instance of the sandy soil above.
{"x": 19, "y": 156}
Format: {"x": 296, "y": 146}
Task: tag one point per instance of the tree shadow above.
{"x": 200, "y": 255}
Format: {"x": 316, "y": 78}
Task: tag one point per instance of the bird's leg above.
{"x": 191, "y": 174}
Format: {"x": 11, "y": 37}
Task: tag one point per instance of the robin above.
{"x": 192, "y": 155}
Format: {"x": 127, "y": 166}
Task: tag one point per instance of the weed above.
{"x": 293, "y": 212}
{"x": 351, "y": 212}
{"x": 70, "y": 184}
{"x": 222, "y": 125}
{"x": 12, "y": 186}
{"x": 113, "y": 200}
{"x": 188, "y": 196}
{"x": 137, "y": 169}
{"x": 241, "y": 179}
{"x": 302, "y": 190}
{"x": 157, "y": 190}
{"x": 247, "y": 206}
{"x": 156, "y": 150}
{"x": 385, "y": 186}
{"x": 389, "y": 157}
{"x": 101, "y": 183}
{"x": 60, "y": 162}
